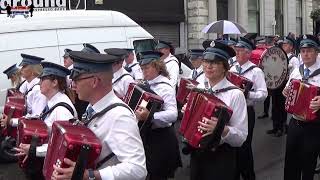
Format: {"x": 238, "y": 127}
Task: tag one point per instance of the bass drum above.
{"x": 274, "y": 63}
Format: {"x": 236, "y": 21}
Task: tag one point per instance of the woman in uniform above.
{"x": 161, "y": 145}
{"x": 220, "y": 163}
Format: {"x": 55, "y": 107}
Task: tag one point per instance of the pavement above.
{"x": 268, "y": 154}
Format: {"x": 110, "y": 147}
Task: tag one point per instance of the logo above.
{"x": 305, "y": 37}
{"x": 39, "y": 5}
{"x": 212, "y": 44}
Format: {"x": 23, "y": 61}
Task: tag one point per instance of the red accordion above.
{"x": 298, "y": 99}
{"x": 137, "y": 96}
{"x": 183, "y": 91}
{"x": 67, "y": 141}
{"x": 240, "y": 81}
{"x": 32, "y": 130}
{"x": 15, "y": 107}
{"x": 204, "y": 105}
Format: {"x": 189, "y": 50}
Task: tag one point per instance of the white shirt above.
{"x": 136, "y": 72}
{"x": 60, "y": 113}
{"x": 199, "y": 71}
{"x": 23, "y": 87}
{"x": 36, "y": 101}
{"x": 238, "y": 123}
{"x": 119, "y": 133}
{"x": 259, "y": 90}
{"x": 293, "y": 63}
{"x": 169, "y": 112}
{"x": 172, "y": 68}
{"x": 122, "y": 85}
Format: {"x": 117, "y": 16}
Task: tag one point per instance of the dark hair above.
{"x": 62, "y": 86}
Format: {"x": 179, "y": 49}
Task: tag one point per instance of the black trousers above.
{"x": 266, "y": 105}
{"x": 302, "y": 150}
{"x": 279, "y": 114}
{"x": 213, "y": 165}
{"x": 245, "y": 163}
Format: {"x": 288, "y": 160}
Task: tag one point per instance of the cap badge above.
{"x": 212, "y": 44}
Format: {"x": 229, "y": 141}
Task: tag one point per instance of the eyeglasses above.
{"x": 79, "y": 79}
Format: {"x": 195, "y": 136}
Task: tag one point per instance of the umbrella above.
{"x": 224, "y": 27}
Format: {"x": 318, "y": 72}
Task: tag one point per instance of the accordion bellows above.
{"x": 204, "y": 105}
{"x": 66, "y": 141}
{"x": 298, "y": 100}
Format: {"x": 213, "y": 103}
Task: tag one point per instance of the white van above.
{"x": 47, "y": 34}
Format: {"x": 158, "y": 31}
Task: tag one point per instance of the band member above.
{"x": 170, "y": 60}
{"x": 54, "y": 87}
{"x": 13, "y": 73}
{"x": 220, "y": 163}
{"x": 118, "y": 132}
{"x": 132, "y": 66}
{"x": 258, "y": 92}
{"x": 161, "y": 144}
{"x": 121, "y": 78}
{"x": 30, "y": 71}
{"x": 279, "y": 114}
{"x": 288, "y": 45}
{"x": 231, "y": 43}
{"x": 196, "y": 61}
{"x": 303, "y": 145}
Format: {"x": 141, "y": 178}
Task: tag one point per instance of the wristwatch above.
{"x": 91, "y": 174}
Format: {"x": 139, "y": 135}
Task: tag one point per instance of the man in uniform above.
{"x": 132, "y": 66}
{"x": 196, "y": 61}
{"x": 303, "y": 145}
{"x": 259, "y": 92}
{"x": 118, "y": 132}
{"x": 121, "y": 78}
{"x": 170, "y": 60}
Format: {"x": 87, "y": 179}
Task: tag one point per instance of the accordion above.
{"x": 204, "y": 105}
{"x": 15, "y": 107}
{"x": 183, "y": 91}
{"x": 73, "y": 142}
{"x": 298, "y": 100}
{"x": 138, "y": 95}
{"x": 240, "y": 81}
{"x": 34, "y": 132}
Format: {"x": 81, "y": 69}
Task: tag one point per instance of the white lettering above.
{"x": 38, "y": 3}
{"x": 4, "y": 3}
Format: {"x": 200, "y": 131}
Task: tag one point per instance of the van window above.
{"x": 144, "y": 45}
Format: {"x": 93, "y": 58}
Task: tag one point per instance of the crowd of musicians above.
{"x": 92, "y": 81}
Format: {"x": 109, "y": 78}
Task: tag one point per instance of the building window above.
{"x": 298, "y": 17}
{"x": 253, "y": 16}
{"x": 222, "y": 9}
{"x": 279, "y": 17}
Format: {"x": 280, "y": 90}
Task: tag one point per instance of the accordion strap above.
{"x": 19, "y": 85}
{"x": 301, "y": 70}
{"x": 249, "y": 69}
{"x": 171, "y": 61}
{"x": 119, "y": 78}
{"x": 26, "y": 93}
{"x": 63, "y": 104}
{"x": 224, "y": 89}
{"x": 105, "y": 110}
{"x": 292, "y": 55}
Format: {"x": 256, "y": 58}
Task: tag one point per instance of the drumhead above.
{"x": 274, "y": 64}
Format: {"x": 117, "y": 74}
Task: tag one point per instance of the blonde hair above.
{"x": 17, "y": 79}
{"x": 36, "y": 69}
{"x": 161, "y": 68}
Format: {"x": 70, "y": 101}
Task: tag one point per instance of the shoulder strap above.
{"x": 161, "y": 83}
{"x": 171, "y": 61}
{"x": 315, "y": 73}
{"x": 108, "y": 157}
{"x": 63, "y": 104}
{"x": 225, "y": 89}
{"x": 31, "y": 89}
{"x": 123, "y": 75}
{"x": 198, "y": 75}
{"x": 19, "y": 85}
{"x": 249, "y": 69}
{"x": 301, "y": 70}
{"x": 133, "y": 65}
{"x": 292, "y": 55}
